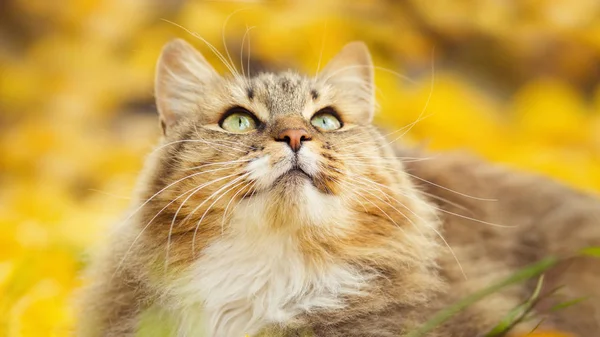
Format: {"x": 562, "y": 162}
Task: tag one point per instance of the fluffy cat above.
{"x": 273, "y": 206}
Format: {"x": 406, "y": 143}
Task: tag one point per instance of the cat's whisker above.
{"x": 358, "y": 162}
{"x": 392, "y": 167}
{"x": 423, "y": 222}
{"x": 449, "y": 189}
{"x": 230, "y": 146}
{"x": 354, "y": 179}
{"x": 406, "y": 128}
{"x": 451, "y": 203}
{"x": 474, "y": 219}
{"x": 236, "y": 144}
{"x": 371, "y": 137}
{"x": 395, "y": 73}
{"x": 215, "y": 51}
{"x": 237, "y": 183}
{"x": 392, "y": 161}
{"x": 361, "y": 187}
{"x": 248, "y": 186}
{"x": 242, "y": 52}
{"x": 223, "y": 149}
{"x": 233, "y": 143}
{"x": 229, "y": 183}
{"x": 379, "y": 208}
{"x": 365, "y": 85}
{"x": 124, "y": 197}
{"x": 199, "y": 141}
{"x": 349, "y": 141}
{"x": 198, "y": 188}
{"x": 384, "y": 212}
{"x": 139, "y": 235}
{"x": 226, "y": 148}
{"x": 223, "y": 29}
{"x": 404, "y": 77}
{"x": 322, "y": 49}
{"x": 348, "y": 196}
{"x": 249, "y": 53}
{"x": 219, "y": 163}
{"x": 188, "y": 216}
{"x": 130, "y": 216}
{"x": 370, "y": 183}
{"x": 168, "y": 144}
{"x": 409, "y": 126}
{"x": 421, "y": 116}
{"x": 384, "y": 137}
{"x": 444, "y": 210}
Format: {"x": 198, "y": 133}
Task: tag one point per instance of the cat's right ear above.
{"x": 181, "y": 75}
{"x": 351, "y": 70}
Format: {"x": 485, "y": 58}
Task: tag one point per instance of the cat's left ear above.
{"x": 182, "y": 75}
{"x": 351, "y": 70}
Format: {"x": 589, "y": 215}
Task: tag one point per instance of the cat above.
{"x": 273, "y": 206}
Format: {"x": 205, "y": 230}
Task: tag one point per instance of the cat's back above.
{"x": 496, "y": 220}
{"x": 479, "y": 200}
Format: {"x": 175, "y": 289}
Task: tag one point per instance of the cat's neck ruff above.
{"x": 258, "y": 274}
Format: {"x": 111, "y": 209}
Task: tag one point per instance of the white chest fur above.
{"x": 247, "y": 281}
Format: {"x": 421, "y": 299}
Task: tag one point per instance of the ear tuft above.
{"x": 181, "y": 75}
{"x": 352, "y": 71}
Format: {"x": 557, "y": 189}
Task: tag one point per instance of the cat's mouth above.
{"x": 288, "y": 176}
{"x": 292, "y": 178}
{"x": 293, "y": 175}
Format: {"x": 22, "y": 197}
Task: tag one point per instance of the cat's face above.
{"x": 271, "y": 152}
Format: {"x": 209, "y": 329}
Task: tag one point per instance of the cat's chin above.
{"x": 292, "y": 178}
{"x": 290, "y": 186}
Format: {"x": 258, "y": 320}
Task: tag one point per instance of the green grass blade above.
{"x": 519, "y": 313}
{"x": 537, "y": 326}
{"x": 591, "y": 251}
{"x": 568, "y": 303}
{"x": 519, "y": 276}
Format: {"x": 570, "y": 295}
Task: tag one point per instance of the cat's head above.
{"x": 278, "y": 152}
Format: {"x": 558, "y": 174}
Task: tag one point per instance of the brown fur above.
{"x": 389, "y": 231}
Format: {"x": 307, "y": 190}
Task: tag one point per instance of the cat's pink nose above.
{"x": 293, "y": 137}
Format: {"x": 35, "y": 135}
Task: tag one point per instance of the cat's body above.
{"x": 300, "y": 215}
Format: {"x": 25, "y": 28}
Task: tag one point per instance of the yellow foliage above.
{"x": 547, "y": 334}
{"x": 509, "y": 80}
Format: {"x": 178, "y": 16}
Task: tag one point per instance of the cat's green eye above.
{"x": 239, "y": 122}
{"x": 326, "y": 121}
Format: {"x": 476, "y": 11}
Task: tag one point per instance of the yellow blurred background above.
{"x": 514, "y": 81}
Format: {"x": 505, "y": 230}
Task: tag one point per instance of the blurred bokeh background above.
{"x": 515, "y": 81}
